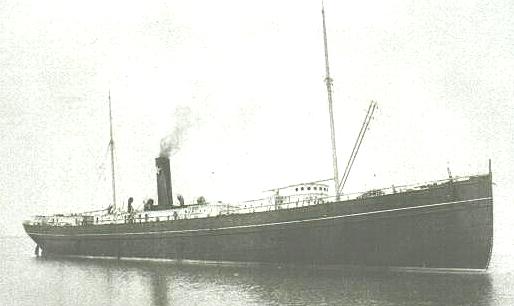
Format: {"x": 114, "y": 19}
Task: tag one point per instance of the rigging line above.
{"x": 101, "y": 167}
{"x": 100, "y": 174}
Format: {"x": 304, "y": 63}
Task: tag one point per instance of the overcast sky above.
{"x": 250, "y": 75}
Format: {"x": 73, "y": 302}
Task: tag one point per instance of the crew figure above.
{"x": 129, "y": 206}
{"x": 148, "y": 205}
{"x": 180, "y": 199}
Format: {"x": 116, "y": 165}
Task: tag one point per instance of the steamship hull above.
{"x": 448, "y": 226}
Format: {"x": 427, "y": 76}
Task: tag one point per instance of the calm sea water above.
{"x": 27, "y": 280}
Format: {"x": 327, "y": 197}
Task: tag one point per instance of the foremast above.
{"x": 111, "y": 147}
{"x": 328, "y": 82}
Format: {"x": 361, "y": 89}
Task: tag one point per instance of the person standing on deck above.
{"x": 130, "y": 209}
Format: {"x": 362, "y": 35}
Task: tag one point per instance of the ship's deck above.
{"x": 193, "y": 211}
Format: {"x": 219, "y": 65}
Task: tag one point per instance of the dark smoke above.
{"x": 182, "y": 120}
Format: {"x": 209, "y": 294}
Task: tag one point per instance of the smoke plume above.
{"x": 182, "y": 120}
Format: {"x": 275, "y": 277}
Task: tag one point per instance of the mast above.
{"x": 328, "y": 82}
{"x": 111, "y": 146}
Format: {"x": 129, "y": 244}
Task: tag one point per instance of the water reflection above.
{"x": 159, "y": 287}
{"x": 201, "y": 284}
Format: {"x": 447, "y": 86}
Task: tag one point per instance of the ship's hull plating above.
{"x": 448, "y": 226}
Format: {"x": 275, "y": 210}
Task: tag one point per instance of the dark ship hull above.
{"x": 443, "y": 226}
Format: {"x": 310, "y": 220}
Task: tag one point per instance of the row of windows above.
{"x": 315, "y": 188}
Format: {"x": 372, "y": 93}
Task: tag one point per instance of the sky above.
{"x": 246, "y": 79}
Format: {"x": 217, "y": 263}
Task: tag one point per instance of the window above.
{"x": 302, "y": 188}
{"x": 315, "y": 188}
{"x": 296, "y": 188}
{"x": 308, "y": 188}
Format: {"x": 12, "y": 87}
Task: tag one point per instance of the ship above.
{"x": 440, "y": 225}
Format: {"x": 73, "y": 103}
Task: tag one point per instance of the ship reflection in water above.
{"x": 28, "y": 280}
{"x": 140, "y": 283}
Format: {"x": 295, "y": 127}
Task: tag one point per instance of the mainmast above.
{"x": 328, "y": 82}
{"x": 111, "y": 146}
